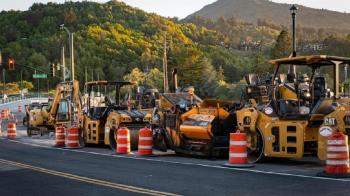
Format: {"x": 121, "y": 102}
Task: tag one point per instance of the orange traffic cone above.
{"x": 337, "y": 163}
{"x": 238, "y": 151}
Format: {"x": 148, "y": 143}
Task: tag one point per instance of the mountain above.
{"x": 111, "y": 40}
{"x": 254, "y": 10}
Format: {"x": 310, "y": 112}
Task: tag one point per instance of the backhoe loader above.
{"x": 292, "y": 116}
{"x": 64, "y": 109}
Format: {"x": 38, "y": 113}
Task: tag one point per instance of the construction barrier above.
{"x": 238, "y": 156}
{"x": 123, "y": 141}
{"x": 145, "y": 145}
{"x": 19, "y": 108}
{"x": 11, "y": 130}
{"x": 60, "y": 136}
{"x": 337, "y": 163}
{"x": 72, "y": 139}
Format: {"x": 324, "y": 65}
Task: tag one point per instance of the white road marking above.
{"x": 188, "y": 163}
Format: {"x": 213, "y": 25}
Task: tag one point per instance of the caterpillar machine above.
{"x": 110, "y": 105}
{"x": 64, "y": 109}
{"x": 292, "y": 116}
{"x": 188, "y": 125}
{"x": 36, "y": 119}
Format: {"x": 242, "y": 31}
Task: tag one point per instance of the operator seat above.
{"x": 319, "y": 88}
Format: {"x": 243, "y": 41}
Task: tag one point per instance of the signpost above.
{"x": 39, "y": 76}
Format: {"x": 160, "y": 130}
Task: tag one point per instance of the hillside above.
{"x": 253, "y": 10}
{"x": 112, "y": 39}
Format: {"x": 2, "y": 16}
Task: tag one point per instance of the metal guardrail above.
{"x": 12, "y": 98}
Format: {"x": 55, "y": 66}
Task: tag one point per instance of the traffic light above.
{"x": 11, "y": 64}
{"x": 53, "y": 70}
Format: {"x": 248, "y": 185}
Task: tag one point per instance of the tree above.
{"x": 283, "y": 46}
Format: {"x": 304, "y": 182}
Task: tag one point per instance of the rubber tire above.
{"x": 259, "y": 155}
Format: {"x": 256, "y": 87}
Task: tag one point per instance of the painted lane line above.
{"x": 88, "y": 180}
{"x": 192, "y": 164}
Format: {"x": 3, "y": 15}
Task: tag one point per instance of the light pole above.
{"x": 71, "y": 48}
{"x": 293, "y": 10}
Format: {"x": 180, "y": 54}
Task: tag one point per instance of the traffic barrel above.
{"x": 11, "y": 130}
{"x": 337, "y": 163}
{"x": 145, "y": 144}
{"x": 19, "y": 108}
{"x": 72, "y": 139}
{"x": 123, "y": 141}
{"x": 238, "y": 156}
{"x": 60, "y": 136}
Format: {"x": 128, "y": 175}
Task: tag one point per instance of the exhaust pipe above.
{"x": 174, "y": 79}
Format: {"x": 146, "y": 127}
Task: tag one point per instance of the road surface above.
{"x": 32, "y": 166}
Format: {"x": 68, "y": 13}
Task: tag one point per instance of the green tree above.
{"x": 283, "y": 46}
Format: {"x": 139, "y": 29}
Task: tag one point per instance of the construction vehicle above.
{"x": 186, "y": 124}
{"x": 61, "y": 110}
{"x": 36, "y": 119}
{"x": 66, "y": 107}
{"x": 106, "y": 111}
{"x": 291, "y": 116}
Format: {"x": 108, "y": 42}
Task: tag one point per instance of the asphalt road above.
{"x": 34, "y": 179}
{"x": 30, "y": 166}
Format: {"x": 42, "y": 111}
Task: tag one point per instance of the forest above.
{"x": 114, "y": 41}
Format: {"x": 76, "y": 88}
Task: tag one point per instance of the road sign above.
{"x": 37, "y": 76}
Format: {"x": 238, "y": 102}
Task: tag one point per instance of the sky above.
{"x": 181, "y": 8}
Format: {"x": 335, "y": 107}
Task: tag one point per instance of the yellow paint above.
{"x": 123, "y": 187}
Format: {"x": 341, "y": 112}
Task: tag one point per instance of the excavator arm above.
{"x": 65, "y": 89}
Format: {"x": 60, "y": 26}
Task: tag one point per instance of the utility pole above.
{"x": 63, "y": 63}
{"x": 85, "y": 90}
{"x": 165, "y": 66}
{"x": 71, "y": 48}
{"x": 71, "y": 38}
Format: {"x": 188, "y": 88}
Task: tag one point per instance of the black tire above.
{"x": 82, "y": 138}
{"x": 29, "y": 132}
{"x": 257, "y": 154}
{"x": 112, "y": 140}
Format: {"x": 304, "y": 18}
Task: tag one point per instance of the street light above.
{"x": 293, "y": 10}
{"x": 71, "y": 47}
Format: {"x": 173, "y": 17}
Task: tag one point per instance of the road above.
{"x": 31, "y": 166}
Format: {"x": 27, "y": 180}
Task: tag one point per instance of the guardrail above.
{"x": 11, "y": 99}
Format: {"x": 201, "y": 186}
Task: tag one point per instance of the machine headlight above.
{"x": 182, "y": 105}
{"x": 330, "y": 121}
{"x": 249, "y": 90}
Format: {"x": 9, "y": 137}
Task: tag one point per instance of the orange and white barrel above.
{"x": 20, "y": 108}
{"x": 60, "y": 136}
{"x": 123, "y": 141}
{"x": 72, "y": 139}
{"x": 11, "y": 130}
{"x": 145, "y": 145}
{"x": 337, "y": 154}
{"x": 238, "y": 148}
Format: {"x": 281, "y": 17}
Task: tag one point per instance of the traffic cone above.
{"x": 145, "y": 144}
{"x": 238, "y": 151}
{"x": 123, "y": 141}
{"x": 337, "y": 163}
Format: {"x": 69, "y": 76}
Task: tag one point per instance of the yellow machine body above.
{"x": 299, "y": 116}
{"x": 338, "y": 120}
